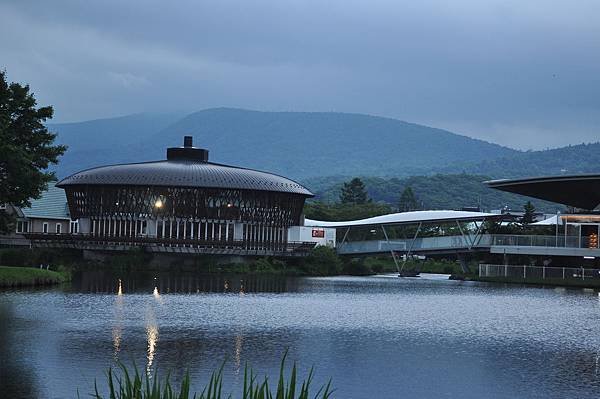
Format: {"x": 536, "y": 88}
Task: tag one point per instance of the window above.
{"x": 74, "y": 227}
{"x": 22, "y": 226}
{"x": 45, "y": 228}
{"x": 58, "y": 227}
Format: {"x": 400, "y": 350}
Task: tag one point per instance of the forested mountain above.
{"x": 296, "y": 144}
{"x": 574, "y": 159}
{"x": 438, "y": 191}
{"x": 314, "y": 146}
{"x": 105, "y": 141}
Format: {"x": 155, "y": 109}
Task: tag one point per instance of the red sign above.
{"x": 318, "y": 233}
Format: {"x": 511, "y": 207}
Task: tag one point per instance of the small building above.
{"x": 48, "y": 214}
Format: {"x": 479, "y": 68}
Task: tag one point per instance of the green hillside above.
{"x": 296, "y": 144}
{"x": 314, "y": 146}
{"x": 575, "y": 159}
{"x": 451, "y": 191}
{"x": 104, "y": 141}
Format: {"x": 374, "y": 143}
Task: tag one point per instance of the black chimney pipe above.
{"x": 188, "y": 152}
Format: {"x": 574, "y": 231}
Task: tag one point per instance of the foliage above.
{"x": 572, "y": 159}
{"x": 26, "y": 148}
{"x": 528, "y": 214}
{"x": 130, "y": 385}
{"x": 408, "y": 201}
{"x": 353, "y": 192}
{"x": 337, "y": 212}
{"x": 35, "y": 256}
{"x": 268, "y": 265}
{"x": 322, "y": 261}
{"x": 449, "y": 191}
{"x": 356, "y": 267}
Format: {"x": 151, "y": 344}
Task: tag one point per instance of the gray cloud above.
{"x": 523, "y": 74}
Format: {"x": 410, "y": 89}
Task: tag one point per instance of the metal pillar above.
{"x": 394, "y": 257}
{"x": 412, "y": 243}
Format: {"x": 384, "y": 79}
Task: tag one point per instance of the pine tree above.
{"x": 529, "y": 214}
{"x": 354, "y": 192}
{"x": 408, "y": 201}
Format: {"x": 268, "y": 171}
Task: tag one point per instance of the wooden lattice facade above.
{"x": 186, "y": 199}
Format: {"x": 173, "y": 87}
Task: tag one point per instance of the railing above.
{"x": 525, "y": 272}
{"x": 237, "y": 246}
{"x": 468, "y": 241}
{"x": 540, "y": 241}
{"x": 419, "y": 244}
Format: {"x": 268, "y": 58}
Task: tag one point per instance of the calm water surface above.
{"x": 376, "y": 337}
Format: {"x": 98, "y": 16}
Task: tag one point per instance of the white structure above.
{"x": 318, "y": 235}
{"x": 415, "y": 217}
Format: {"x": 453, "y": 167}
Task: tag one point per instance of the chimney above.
{"x": 188, "y": 152}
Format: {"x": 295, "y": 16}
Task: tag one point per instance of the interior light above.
{"x": 158, "y": 203}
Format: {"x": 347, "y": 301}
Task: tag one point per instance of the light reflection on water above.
{"x": 376, "y": 336}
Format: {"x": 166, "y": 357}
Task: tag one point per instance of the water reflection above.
{"x": 188, "y": 283}
{"x": 152, "y": 337}
{"x": 117, "y": 329}
{"x": 17, "y": 378}
{"x": 239, "y": 341}
{"x": 384, "y": 335}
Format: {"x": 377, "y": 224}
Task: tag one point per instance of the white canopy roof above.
{"x": 547, "y": 222}
{"x": 405, "y": 218}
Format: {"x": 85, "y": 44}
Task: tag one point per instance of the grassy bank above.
{"x": 29, "y": 276}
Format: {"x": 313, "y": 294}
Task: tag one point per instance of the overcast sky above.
{"x": 520, "y": 73}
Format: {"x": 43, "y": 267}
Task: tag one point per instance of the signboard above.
{"x": 317, "y": 233}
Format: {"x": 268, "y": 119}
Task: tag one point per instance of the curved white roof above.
{"x": 552, "y": 221}
{"x": 405, "y": 218}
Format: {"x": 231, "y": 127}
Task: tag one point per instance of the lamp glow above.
{"x": 158, "y": 203}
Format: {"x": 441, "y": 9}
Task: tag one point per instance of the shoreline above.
{"x": 17, "y": 276}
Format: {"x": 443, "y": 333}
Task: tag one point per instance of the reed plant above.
{"x": 128, "y": 384}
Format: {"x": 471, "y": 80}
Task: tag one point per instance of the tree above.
{"x": 354, "y": 192}
{"x": 529, "y": 213}
{"x": 26, "y": 147}
{"x": 408, "y": 201}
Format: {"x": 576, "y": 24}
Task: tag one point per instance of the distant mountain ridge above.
{"x": 295, "y": 144}
{"x": 309, "y": 145}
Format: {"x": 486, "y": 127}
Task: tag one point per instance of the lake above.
{"x": 376, "y": 337}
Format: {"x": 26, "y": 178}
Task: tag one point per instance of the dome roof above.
{"x": 183, "y": 169}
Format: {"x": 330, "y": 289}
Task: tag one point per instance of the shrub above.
{"x": 357, "y": 267}
{"x": 322, "y": 261}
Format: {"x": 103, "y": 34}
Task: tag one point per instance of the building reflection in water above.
{"x": 180, "y": 282}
